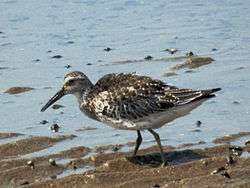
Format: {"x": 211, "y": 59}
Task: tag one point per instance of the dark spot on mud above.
{"x": 214, "y": 49}
{"x": 169, "y": 74}
{"x": 17, "y": 90}
{"x": 56, "y": 56}
{"x": 107, "y": 49}
{"x": 89, "y": 64}
{"x": 196, "y": 130}
{"x": 86, "y": 129}
{"x": 171, "y": 50}
{"x": 67, "y": 66}
{"x": 198, "y": 123}
{"x": 148, "y": 57}
{"x": 36, "y": 60}
{"x": 240, "y": 68}
{"x": 70, "y": 42}
{"x": 189, "y": 54}
{"x": 236, "y": 102}
{"x": 57, "y": 106}
{"x": 43, "y": 122}
{"x": 49, "y": 51}
{"x": 55, "y": 127}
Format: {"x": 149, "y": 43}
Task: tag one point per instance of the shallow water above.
{"x": 134, "y": 29}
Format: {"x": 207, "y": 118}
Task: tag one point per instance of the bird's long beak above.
{"x": 55, "y": 98}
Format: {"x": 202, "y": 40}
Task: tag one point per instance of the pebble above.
{"x": 115, "y": 148}
{"x": 93, "y": 158}
{"x": 56, "y": 56}
{"x": 89, "y": 64}
{"x": 149, "y": 57}
{"x": 55, "y": 127}
{"x": 198, "y": 123}
{"x": 189, "y": 54}
{"x": 67, "y": 66}
{"x": 43, "y": 122}
{"x": 107, "y": 49}
{"x": 171, "y": 50}
{"x": 214, "y": 49}
{"x": 31, "y": 164}
{"x": 36, "y": 60}
{"x": 57, "y": 106}
{"x": 49, "y": 51}
{"x": 70, "y": 42}
{"x": 236, "y": 102}
{"x": 52, "y": 162}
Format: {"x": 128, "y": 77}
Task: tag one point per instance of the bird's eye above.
{"x": 70, "y": 82}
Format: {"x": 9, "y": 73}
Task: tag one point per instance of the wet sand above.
{"x": 222, "y": 165}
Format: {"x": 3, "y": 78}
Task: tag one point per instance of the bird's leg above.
{"x": 138, "y": 142}
{"x": 158, "y": 140}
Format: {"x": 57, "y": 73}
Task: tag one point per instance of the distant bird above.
{"x": 131, "y": 102}
{"x": 171, "y": 50}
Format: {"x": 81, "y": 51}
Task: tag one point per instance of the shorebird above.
{"x": 131, "y": 102}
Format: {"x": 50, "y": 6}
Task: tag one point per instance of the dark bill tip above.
{"x": 55, "y": 98}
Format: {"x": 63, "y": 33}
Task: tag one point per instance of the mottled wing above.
{"x": 129, "y": 96}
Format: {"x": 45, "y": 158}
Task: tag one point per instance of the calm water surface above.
{"x": 79, "y": 30}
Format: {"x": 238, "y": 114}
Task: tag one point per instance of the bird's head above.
{"x": 74, "y": 83}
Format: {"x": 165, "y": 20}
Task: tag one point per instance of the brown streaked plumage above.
{"x": 130, "y": 101}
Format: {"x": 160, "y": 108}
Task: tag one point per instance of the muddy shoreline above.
{"x": 222, "y": 165}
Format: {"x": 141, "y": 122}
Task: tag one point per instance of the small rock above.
{"x": 214, "y": 49}
{"x": 171, "y": 50}
{"x": 49, "y": 51}
{"x": 43, "y": 122}
{"x": 247, "y": 142}
{"x": 74, "y": 167}
{"x": 198, "y": 123}
{"x": 56, "y": 56}
{"x": 107, "y": 49}
{"x": 149, "y": 57}
{"x": 1, "y": 32}
{"x": 31, "y": 164}
{"x": 36, "y": 60}
{"x": 89, "y": 64}
{"x": 55, "y": 127}
{"x": 236, "y": 102}
{"x": 189, "y": 54}
{"x": 57, "y": 106}
{"x": 52, "y": 162}
{"x": 93, "y": 158}
{"x": 196, "y": 130}
{"x": 70, "y": 42}
{"x": 67, "y": 66}
{"x": 225, "y": 174}
{"x": 115, "y": 148}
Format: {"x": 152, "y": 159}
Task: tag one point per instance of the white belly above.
{"x": 155, "y": 120}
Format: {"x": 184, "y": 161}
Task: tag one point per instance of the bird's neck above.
{"x": 82, "y": 94}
